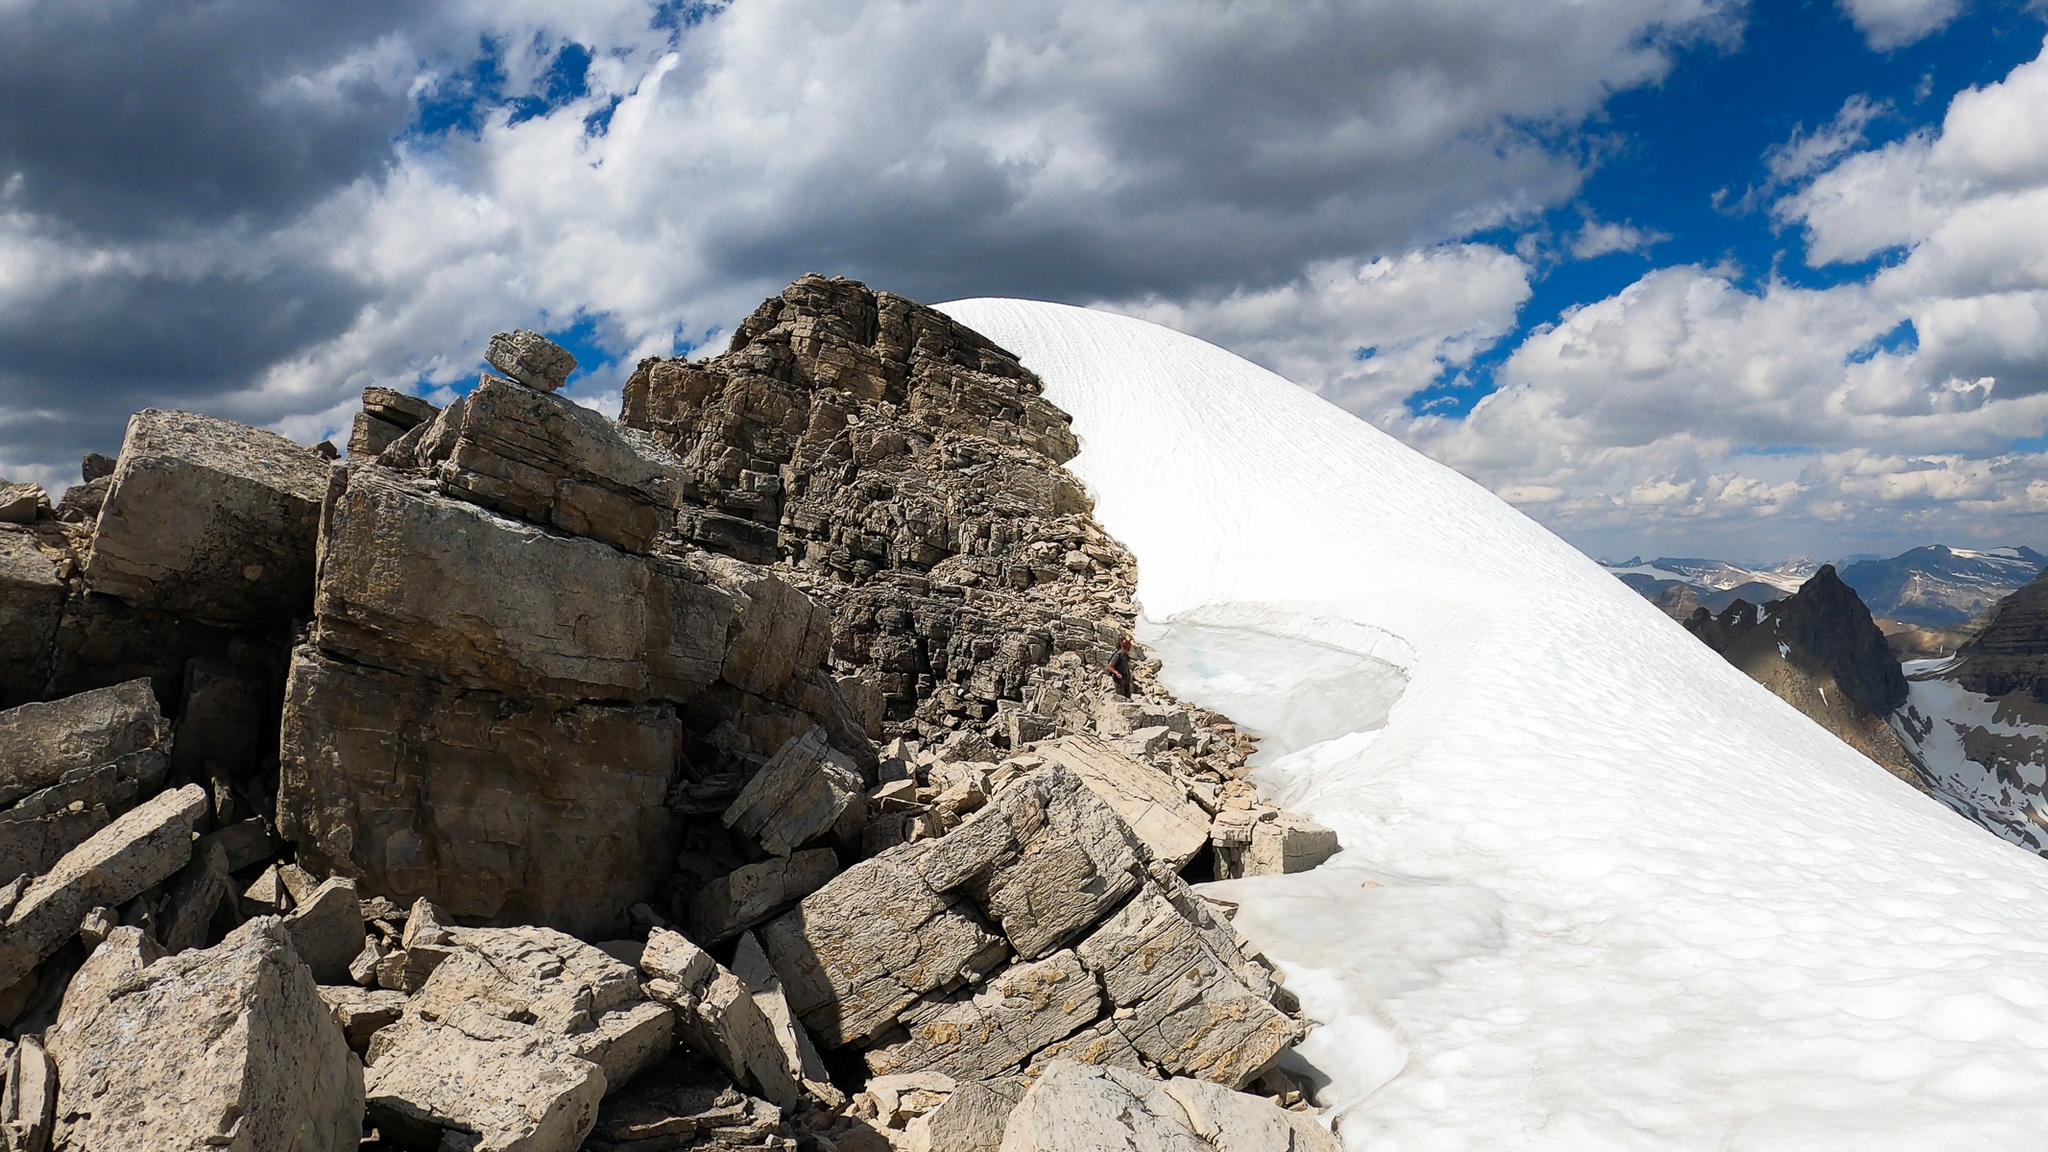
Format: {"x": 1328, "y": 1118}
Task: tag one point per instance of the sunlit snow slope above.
{"x": 1599, "y": 889}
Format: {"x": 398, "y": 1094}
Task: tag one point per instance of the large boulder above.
{"x": 502, "y": 811}
{"x": 226, "y": 1047}
{"x": 480, "y": 1083}
{"x": 39, "y": 743}
{"x": 985, "y": 1033}
{"x": 43, "y": 826}
{"x": 136, "y": 852}
{"x": 795, "y": 797}
{"x": 1077, "y": 1108}
{"x": 1155, "y": 804}
{"x": 209, "y": 519}
{"x": 31, "y": 602}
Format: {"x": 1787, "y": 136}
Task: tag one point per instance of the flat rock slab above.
{"x": 501, "y": 811}
{"x": 361, "y": 1012}
{"x": 1077, "y": 1108}
{"x": 209, "y": 519}
{"x": 1154, "y": 803}
{"x": 505, "y": 1086}
{"x": 39, "y": 743}
{"x": 686, "y": 1105}
{"x": 224, "y": 1047}
{"x": 986, "y": 1033}
{"x": 750, "y": 894}
{"x": 134, "y": 853}
{"x": 796, "y": 796}
{"x": 327, "y": 928}
{"x": 43, "y": 826}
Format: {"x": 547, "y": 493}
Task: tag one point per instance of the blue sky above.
{"x": 1678, "y": 276}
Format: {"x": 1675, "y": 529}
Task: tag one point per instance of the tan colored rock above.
{"x": 370, "y": 435}
{"x": 395, "y": 407}
{"x": 985, "y": 1033}
{"x": 971, "y": 1119}
{"x": 266, "y": 895}
{"x": 138, "y": 851}
{"x": 1155, "y": 804}
{"x": 750, "y": 894}
{"x": 196, "y": 896}
{"x": 361, "y": 1012}
{"x": 797, "y": 795}
{"x": 864, "y": 947}
{"x": 22, "y": 503}
{"x": 1237, "y": 1122}
{"x": 1084, "y": 1108}
{"x": 500, "y": 811}
{"x": 1283, "y": 842}
{"x": 548, "y": 460}
{"x": 538, "y": 975}
{"x": 327, "y": 929}
{"x": 43, "y": 826}
{"x": 1099, "y": 1044}
{"x": 247, "y": 843}
{"x": 31, "y": 604}
{"x": 363, "y": 969}
{"x": 478, "y": 1082}
{"x": 530, "y": 358}
{"x": 40, "y": 743}
{"x": 671, "y": 956}
{"x": 627, "y": 1040}
{"x": 228, "y": 1047}
{"x": 719, "y": 1017}
{"x": 28, "y": 1107}
{"x": 209, "y": 519}
{"x": 1075, "y": 860}
{"x": 687, "y": 1108}
{"x": 793, "y": 1049}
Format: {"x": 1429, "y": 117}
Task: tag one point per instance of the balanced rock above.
{"x": 530, "y": 358}
{"x": 22, "y": 503}
{"x": 225, "y": 1047}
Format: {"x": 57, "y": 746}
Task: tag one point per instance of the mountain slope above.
{"x": 1599, "y": 889}
{"x": 1941, "y": 587}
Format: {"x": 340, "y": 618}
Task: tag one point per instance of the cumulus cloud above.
{"x": 1595, "y": 239}
{"x": 203, "y": 204}
{"x": 1889, "y": 24}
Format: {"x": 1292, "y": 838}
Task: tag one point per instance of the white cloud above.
{"x": 1601, "y": 239}
{"x": 1889, "y": 24}
{"x": 1808, "y": 152}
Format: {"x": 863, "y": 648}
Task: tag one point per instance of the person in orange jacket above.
{"x": 1120, "y": 667}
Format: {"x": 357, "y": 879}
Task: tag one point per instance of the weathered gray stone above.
{"x": 229, "y": 1046}
{"x": 687, "y": 1107}
{"x": 551, "y": 461}
{"x": 22, "y": 503}
{"x": 480, "y": 1083}
{"x": 82, "y": 502}
{"x": 501, "y": 811}
{"x": 39, "y": 743}
{"x": 971, "y": 1119}
{"x": 1282, "y": 842}
{"x": 38, "y": 831}
{"x": 195, "y": 897}
{"x": 627, "y": 1040}
{"x": 1099, "y": 1044}
{"x": 1155, "y": 804}
{"x": 327, "y": 929}
{"x": 209, "y": 519}
{"x": 28, "y": 1107}
{"x": 530, "y": 358}
{"x": 134, "y": 853}
{"x": 31, "y": 603}
{"x": 1191, "y": 1011}
{"x": 1074, "y": 862}
{"x": 861, "y": 949}
{"x": 491, "y": 602}
{"x": 1236, "y": 1122}
{"x": 369, "y": 435}
{"x": 982, "y": 1034}
{"x": 793, "y": 1049}
{"x": 1087, "y": 1108}
{"x": 537, "y": 975}
{"x": 266, "y": 895}
{"x": 361, "y": 1012}
{"x": 247, "y": 842}
{"x": 395, "y": 407}
{"x": 797, "y": 795}
{"x": 746, "y": 896}
{"x": 673, "y": 957}
{"x": 363, "y": 969}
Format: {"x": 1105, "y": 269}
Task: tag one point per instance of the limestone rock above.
{"x": 246, "y": 842}
{"x": 266, "y": 895}
{"x": 1076, "y": 1108}
{"x": 481, "y": 1083}
{"x": 1287, "y": 843}
{"x": 1153, "y": 803}
{"x": 864, "y": 947}
{"x": 748, "y": 895}
{"x": 395, "y": 407}
{"x": 39, "y": 743}
{"x": 229, "y": 1046}
{"x": 196, "y": 896}
{"x": 369, "y": 435}
{"x": 797, "y": 795}
{"x": 361, "y": 1012}
{"x": 537, "y": 975}
{"x": 687, "y": 1106}
{"x": 530, "y": 358}
{"x": 28, "y": 1108}
{"x": 985, "y": 1033}
{"x": 38, "y": 831}
{"x": 491, "y": 602}
{"x": 1074, "y": 861}
{"x": 548, "y": 460}
{"x": 82, "y": 502}
{"x": 717, "y": 1016}
{"x": 209, "y": 519}
{"x": 138, "y": 851}
{"x": 971, "y": 1119}
{"x": 327, "y": 929}
{"x": 793, "y": 1050}
{"x": 1100, "y": 1044}
{"x": 31, "y": 603}
{"x": 22, "y": 503}
{"x": 500, "y": 810}
{"x": 627, "y": 1040}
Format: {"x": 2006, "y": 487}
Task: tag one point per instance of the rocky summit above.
{"x": 738, "y": 774}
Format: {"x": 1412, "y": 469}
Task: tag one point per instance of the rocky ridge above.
{"x": 739, "y": 774}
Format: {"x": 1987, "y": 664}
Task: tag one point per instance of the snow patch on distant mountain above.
{"x": 1599, "y": 889}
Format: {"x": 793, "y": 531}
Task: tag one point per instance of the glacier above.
{"x": 1599, "y": 890}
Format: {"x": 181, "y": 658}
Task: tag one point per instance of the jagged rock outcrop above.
{"x": 2010, "y": 654}
{"x": 1820, "y": 651}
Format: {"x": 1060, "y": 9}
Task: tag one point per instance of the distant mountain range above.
{"x": 1935, "y": 587}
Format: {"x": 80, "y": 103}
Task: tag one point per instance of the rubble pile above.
{"x": 737, "y": 775}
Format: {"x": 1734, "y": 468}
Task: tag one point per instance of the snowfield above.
{"x": 1599, "y": 890}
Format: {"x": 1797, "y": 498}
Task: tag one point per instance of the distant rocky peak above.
{"x": 2011, "y": 653}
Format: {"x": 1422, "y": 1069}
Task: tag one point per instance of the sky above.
{"x": 1680, "y": 277}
